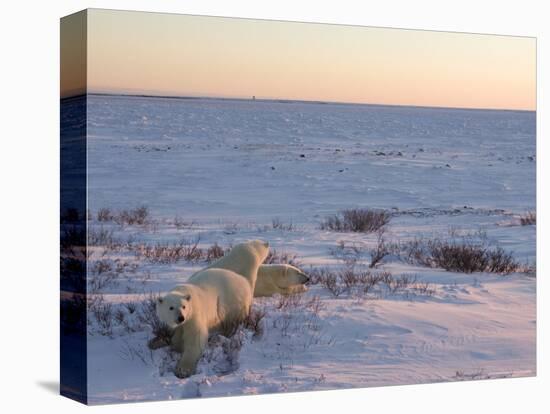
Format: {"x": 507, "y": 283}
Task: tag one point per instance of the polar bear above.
{"x": 211, "y": 298}
{"x": 243, "y": 259}
{"x": 283, "y": 279}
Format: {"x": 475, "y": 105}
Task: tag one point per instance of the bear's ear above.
{"x": 187, "y": 297}
{"x": 159, "y": 300}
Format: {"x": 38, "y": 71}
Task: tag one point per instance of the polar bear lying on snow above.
{"x": 283, "y": 279}
{"x": 211, "y": 298}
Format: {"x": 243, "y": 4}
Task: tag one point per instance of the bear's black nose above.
{"x": 181, "y": 319}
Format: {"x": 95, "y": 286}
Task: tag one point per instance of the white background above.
{"x": 29, "y": 162}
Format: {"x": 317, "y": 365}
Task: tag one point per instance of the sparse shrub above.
{"x": 529, "y": 269}
{"x": 254, "y": 322}
{"x": 469, "y": 258}
{"x": 315, "y": 275}
{"x": 416, "y": 251}
{"x": 105, "y": 214}
{"x": 400, "y": 283}
{"x": 214, "y": 252}
{"x": 330, "y": 281}
{"x": 359, "y": 220}
{"x": 222, "y": 352}
{"x": 380, "y": 251}
{"x": 102, "y": 237}
{"x": 288, "y": 302}
{"x": 334, "y": 223}
{"x": 147, "y": 315}
{"x": 136, "y": 216}
{"x": 501, "y": 262}
{"x": 313, "y": 304}
{"x": 424, "y": 288}
{"x": 463, "y": 256}
{"x": 351, "y": 278}
{"x": 371, "y": 282}
{"x": 102, "y": 311}
{"x": 139, "y": 352}
{"x": 476, "y": 375}
{"x": 361, "y": 283}
{"x": 187, "y": 250}
{"x": 297, "y": 314}
{"x": 529, "y": 218}
{"x": 277, "y": 224}
{"x": 171, "y": 253}
{"x": 98, "y": 282}
{"x": 349, "y": 253}
{"x": 131, "y": 307}
{"x": 102, "y": 266}
{"x": 120, "y": 316}
{"x": 281, "y": 257}
{"x": 105, "y": 272}
{"x": 164, "y": 332}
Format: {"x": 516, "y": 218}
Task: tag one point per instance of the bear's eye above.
{"x": 171, "y": 308}
{"x": 183, "y": 307}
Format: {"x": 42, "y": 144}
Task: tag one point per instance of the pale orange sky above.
{"x": 170, "y": 54}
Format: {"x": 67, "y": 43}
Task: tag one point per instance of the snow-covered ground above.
{"x": 221, "y": 171}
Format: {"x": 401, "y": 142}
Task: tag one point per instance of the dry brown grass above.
{"x": 105, "y": 214}
{"x": 529, "y": 218}
{"x": 464, "y": 256}
{"x": 381, "y": 249}
{"x": 282, "y": 257}
{"x": 170, "y": 252}
{"x": 126, "y": 217}
{"x": 215, "y": 252}
{"x": 349, "y": 281}
{"x": 359, "y": 220}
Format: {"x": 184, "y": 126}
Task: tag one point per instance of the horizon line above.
{"x": 286, "y": 100}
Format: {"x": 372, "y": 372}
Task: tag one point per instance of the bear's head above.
{"x": 174, "y": 309}
{"x": 289, "y": 276}
{"x": 258, "y": 249}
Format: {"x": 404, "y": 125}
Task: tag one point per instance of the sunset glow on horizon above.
{"x": 182, "y": 55}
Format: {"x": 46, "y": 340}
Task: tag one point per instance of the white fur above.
{"x": 211, "y": 298}
{"x": 283, "y": 279}
{"x": 243, "y": 259}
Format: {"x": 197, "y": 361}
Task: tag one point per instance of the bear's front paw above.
{"x": 182, "y": 371}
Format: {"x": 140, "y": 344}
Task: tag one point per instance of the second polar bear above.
{"x": 211, "y": 298}
{"x": 283, "y": 279}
